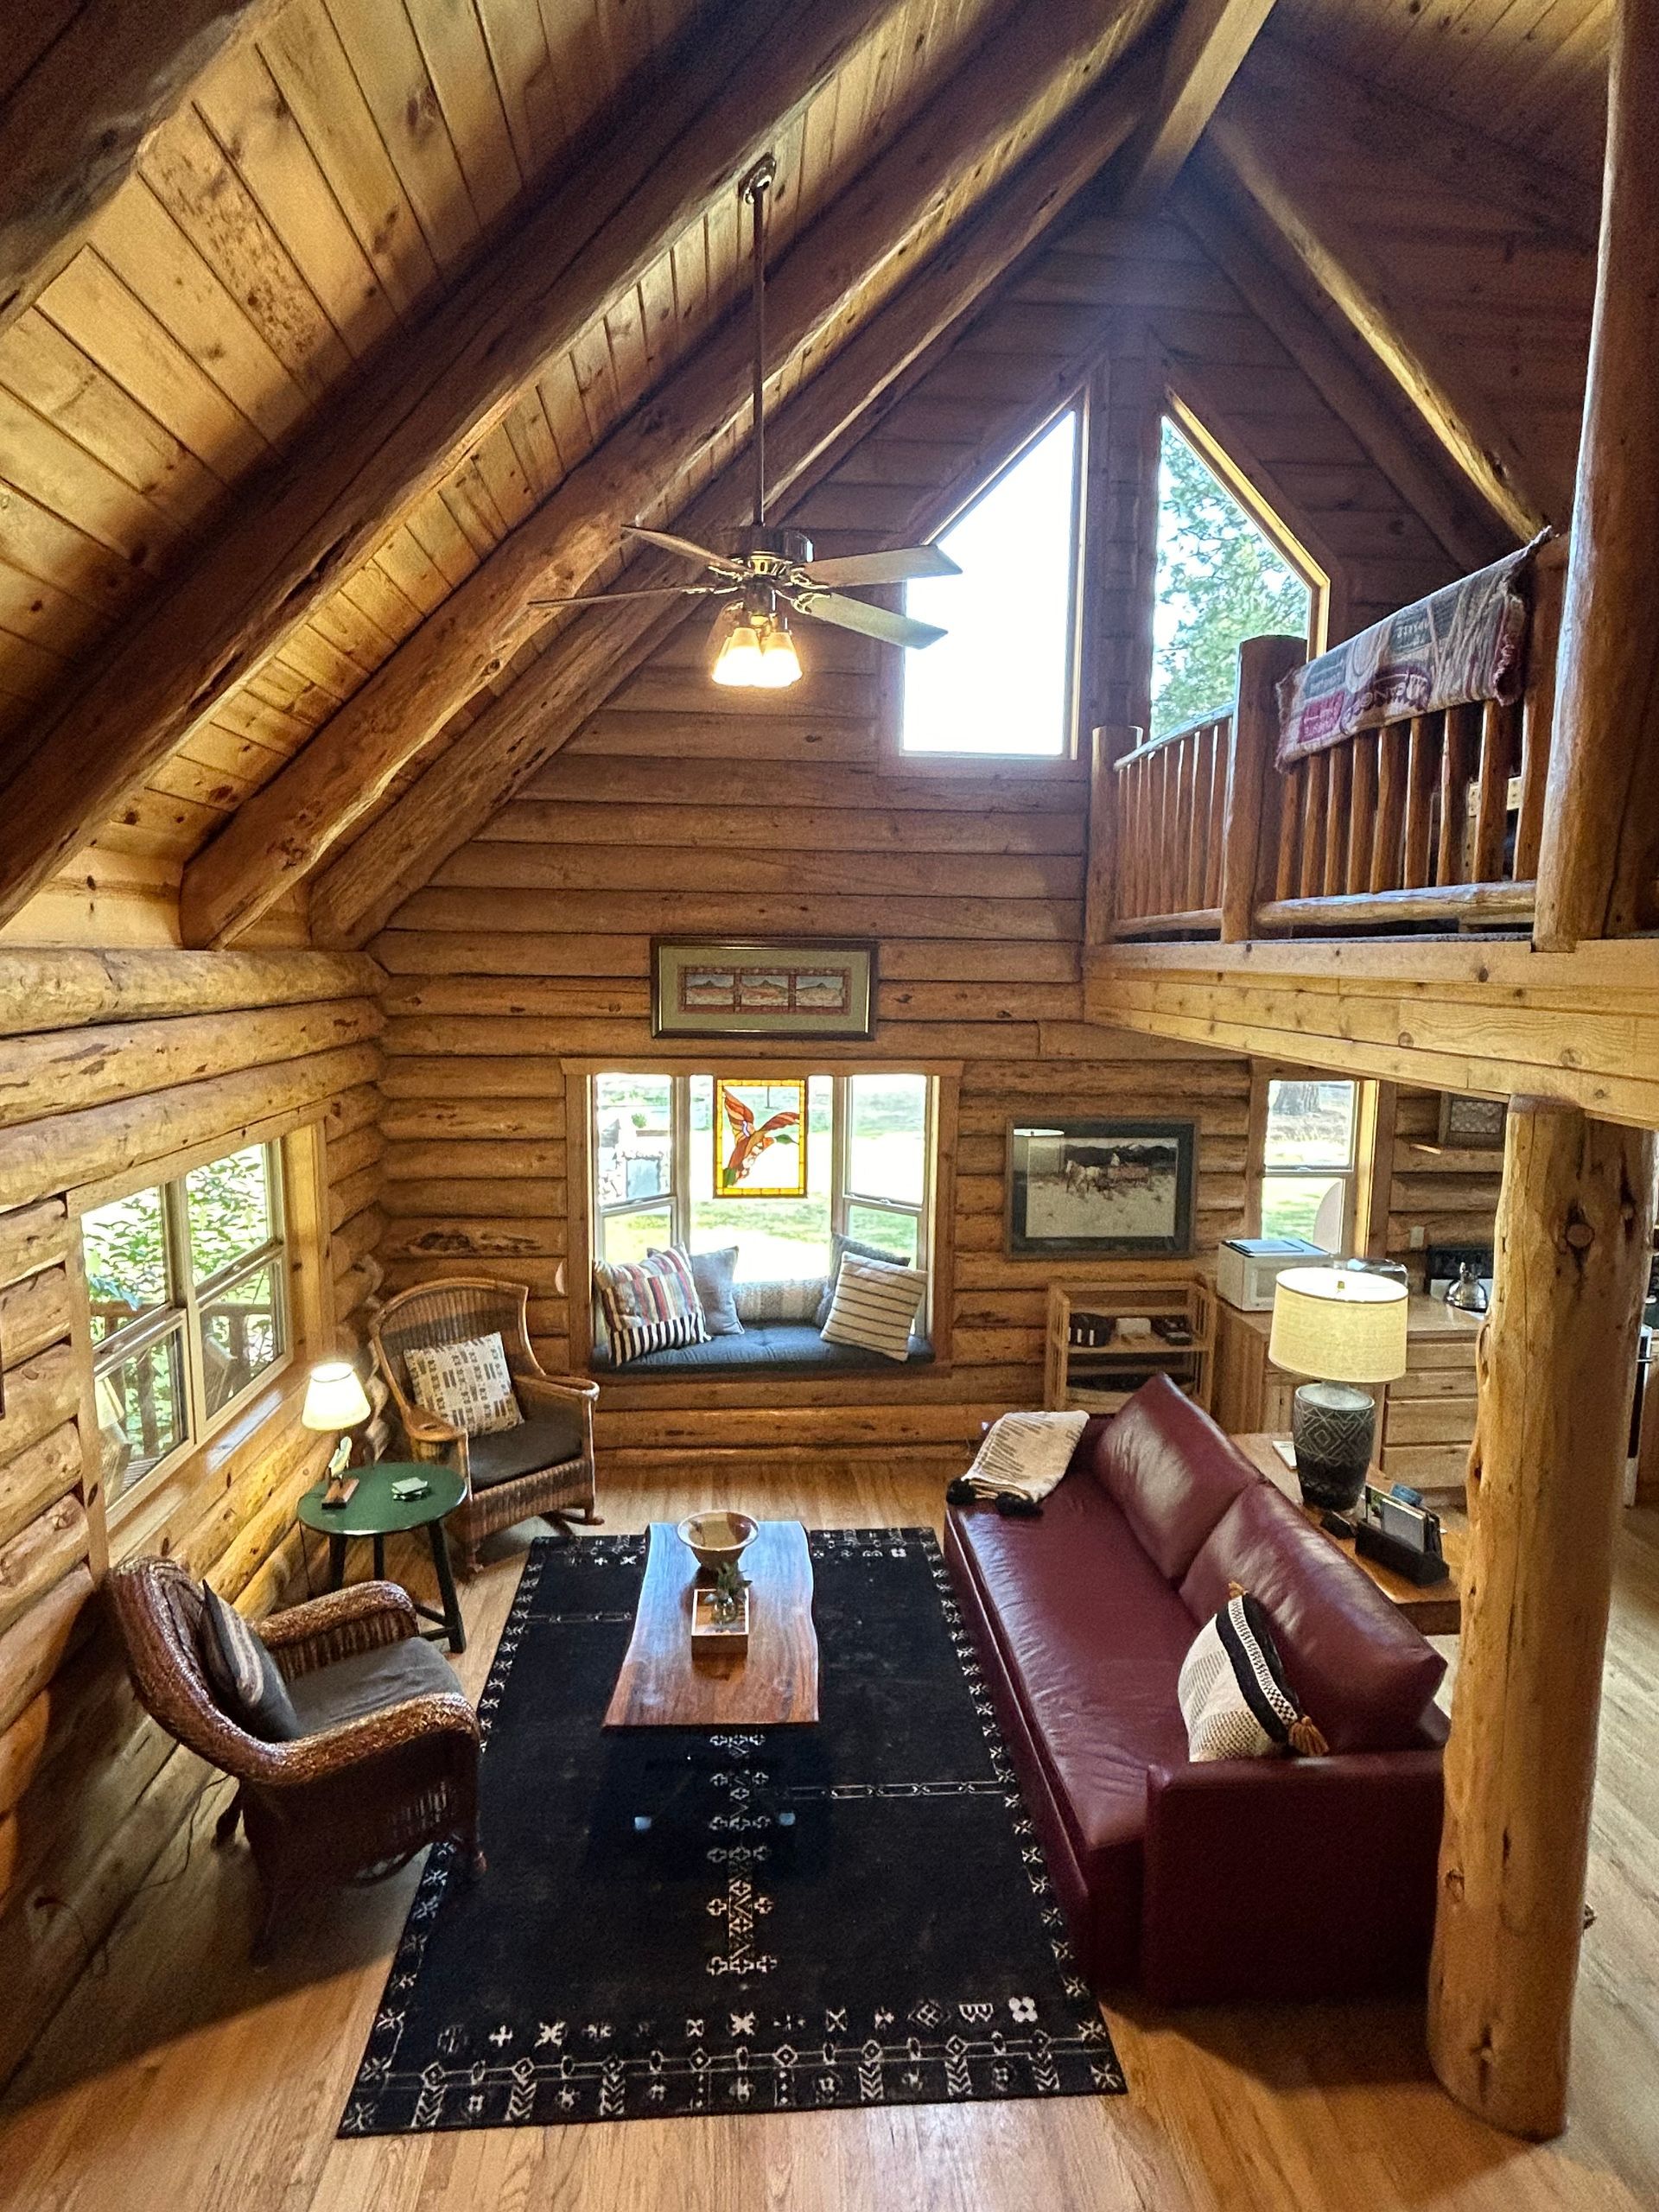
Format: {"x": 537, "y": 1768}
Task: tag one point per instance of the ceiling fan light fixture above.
{"x": 738, "y": 664}
{"x": 781, "y": 664}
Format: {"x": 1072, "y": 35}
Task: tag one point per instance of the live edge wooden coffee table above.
{"x": 773, "y": 1683}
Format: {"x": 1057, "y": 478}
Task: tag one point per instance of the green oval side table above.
{"x": 375, "y": 1513}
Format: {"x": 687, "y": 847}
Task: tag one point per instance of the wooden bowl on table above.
{"x": 717, "y": 1538}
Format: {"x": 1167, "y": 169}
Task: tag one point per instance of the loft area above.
{"x": 827, "y": 920}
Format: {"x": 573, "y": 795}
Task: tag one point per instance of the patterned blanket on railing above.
{"x": 1463, "y": 643}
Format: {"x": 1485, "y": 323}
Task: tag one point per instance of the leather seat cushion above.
{"x": 546, "y": 1438}
{"x": 1172, "y": 1470}
{"x": 368, "y": 1682}
{"x": 1361, "y": 1670}
{"x": 1092, "y": 1639}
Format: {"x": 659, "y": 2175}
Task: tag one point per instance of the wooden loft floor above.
{"x": 176, "y": 2074}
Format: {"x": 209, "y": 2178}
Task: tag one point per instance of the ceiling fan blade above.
{"x": 896, "y": 567}
{"x": 661, "y": 591}
{"x": 868, "y": 621}
{"x": 683, "y": 546}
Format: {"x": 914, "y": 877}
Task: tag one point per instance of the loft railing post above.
{"x": 1601, "y": 823}
{"x": 1251, "y": 828}
{"x": 1100, "y": 901}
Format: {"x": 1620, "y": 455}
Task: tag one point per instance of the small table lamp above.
{"x": 335, "y": 1398}
{"x": 1342, "y": 1326}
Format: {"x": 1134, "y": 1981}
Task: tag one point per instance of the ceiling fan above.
{"x": 772, "y": 574}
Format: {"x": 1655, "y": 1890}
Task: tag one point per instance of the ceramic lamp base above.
{"x": 1333, "y": 1427}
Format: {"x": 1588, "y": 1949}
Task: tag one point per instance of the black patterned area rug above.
{"x": 851, "y": 1914}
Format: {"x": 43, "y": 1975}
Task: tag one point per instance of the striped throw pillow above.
{"x": 649, "y": 1305}
{"x": 874, "y": 1306}
{"x": 1232, "y": 1691}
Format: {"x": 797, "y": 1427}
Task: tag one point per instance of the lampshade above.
{"x": 781, "y": 664}
{"x": 1338, "y": 1325}
{"x": 335, "y": 1398}
{"x": 738, "y": 662}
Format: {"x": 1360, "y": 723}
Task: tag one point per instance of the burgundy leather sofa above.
{"x": 1254, "y": 1879}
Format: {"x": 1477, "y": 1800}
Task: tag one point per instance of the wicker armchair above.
{"x": 350, "y": 1802}
{"x": 544, "y": 1466}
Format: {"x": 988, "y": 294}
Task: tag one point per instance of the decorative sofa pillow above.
{"x": 712, "y": 1276}
{"x": 774, "y": 1305}
{"x": 1025, "y": 1453}
{"x": 242, "y": 1674}
{"x": 466, "y": 1382}
{"x": 649, "y": 1305}
{"x": 1234, "y": 1697}
{"x": 840, "y": 1246}
{"x": 874, "y": 1305}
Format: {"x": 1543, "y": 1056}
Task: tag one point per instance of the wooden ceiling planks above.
{"x": 309, "y": 197}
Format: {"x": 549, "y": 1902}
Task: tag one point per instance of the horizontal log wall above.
{"x": 1450, "y": 1194}
{"x": 113, "y": 1060}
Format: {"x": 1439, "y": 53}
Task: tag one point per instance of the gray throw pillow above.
{"x": 714, "y": 1273}
{"x": 243, "y": 1675}
{"x": 840, "y": 1246}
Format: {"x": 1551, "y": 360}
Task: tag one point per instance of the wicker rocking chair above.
{"x": 391, "y": 1763}
{"x": 543, "y": 1466}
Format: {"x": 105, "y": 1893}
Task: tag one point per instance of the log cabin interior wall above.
{"x": 676, "y": 809}
{"x": 117, "y": 1061}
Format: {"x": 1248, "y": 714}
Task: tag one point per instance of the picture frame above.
{"x": 781, "y": 987}
{"x": 1120, "y": 1188}
{"x": 759, "y": 1130}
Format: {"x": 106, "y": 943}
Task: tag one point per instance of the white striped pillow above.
{"x": 874, "y": 1306}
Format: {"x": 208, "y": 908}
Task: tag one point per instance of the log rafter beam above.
{"x": 599, "y": 649}
{"x": 1207, "y": 48}
{"x": 72, "y": 127}
{"x": 1320, "y": 254}
{"x": 317, "y": 510}
{"x": 999, "y": 98}
{"x": 1436, "y": 492}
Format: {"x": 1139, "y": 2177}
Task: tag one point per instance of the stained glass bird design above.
{"x": 749, "y": 1143}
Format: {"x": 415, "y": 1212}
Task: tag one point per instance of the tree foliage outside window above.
{"x": 1219, "y": 581}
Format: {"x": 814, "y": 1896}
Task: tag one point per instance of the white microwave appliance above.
{"x": 1247, "y": 1267}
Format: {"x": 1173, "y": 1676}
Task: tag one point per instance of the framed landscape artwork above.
{"x": 1102, "y": 1188}
{"x": 776, "y": 987}
{"x": 760, "y": 1139}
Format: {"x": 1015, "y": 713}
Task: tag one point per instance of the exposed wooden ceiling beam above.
{"x": 426, "y": 397}
{"x": 1436, "y": 494}
{"x": 598, "y": 649}
{"x": 1209, "y": 42}
{"x": 72, "y": 127}
{"x": 1000, "y": 100}
{"x": 1324, "y": 258}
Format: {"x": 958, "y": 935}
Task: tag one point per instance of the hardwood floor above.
{"x": 181, "y": 2079}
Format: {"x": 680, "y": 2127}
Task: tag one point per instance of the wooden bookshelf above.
{"x": 1097, "y": 1377}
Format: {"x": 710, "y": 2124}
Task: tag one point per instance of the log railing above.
{"x": 1169, "y": 804}
{"x": 1431, "y": 820}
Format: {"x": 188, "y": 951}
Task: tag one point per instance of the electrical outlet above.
{"x": 1418, "y": 1236}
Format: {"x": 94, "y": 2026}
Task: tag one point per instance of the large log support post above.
{"x": 1557, "y": 1363}
{"x": 1601, "y": 824}
{"x": 1252, "y": 816}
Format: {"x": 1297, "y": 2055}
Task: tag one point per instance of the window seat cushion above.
{"x": 779, "y": 1348}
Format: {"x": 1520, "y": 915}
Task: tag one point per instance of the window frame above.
{"x": 1358, "y": 1178}
{"x": 588, "y": 1236}
{"x": 1068, "y": 756}
{"x": 181, "y": 1314}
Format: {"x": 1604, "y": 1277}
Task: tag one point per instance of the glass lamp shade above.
{"x": 1338, "y": 1326}
{"x": 335, "y": 1398}
{"x": 781, "y": 664}
{"x": 737, "y": 664}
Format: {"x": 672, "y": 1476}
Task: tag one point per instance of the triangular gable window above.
{"x": 1000, "y": 681}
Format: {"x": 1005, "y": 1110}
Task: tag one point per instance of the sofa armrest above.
{"x": 1290, "y": 1879}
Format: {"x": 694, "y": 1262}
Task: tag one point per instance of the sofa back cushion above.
{"x": 1363, "y": 1673}
{"x": 1172, "y": 1471}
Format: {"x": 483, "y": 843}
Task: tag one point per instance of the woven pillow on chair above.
{"x": 466, "y": 1384}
